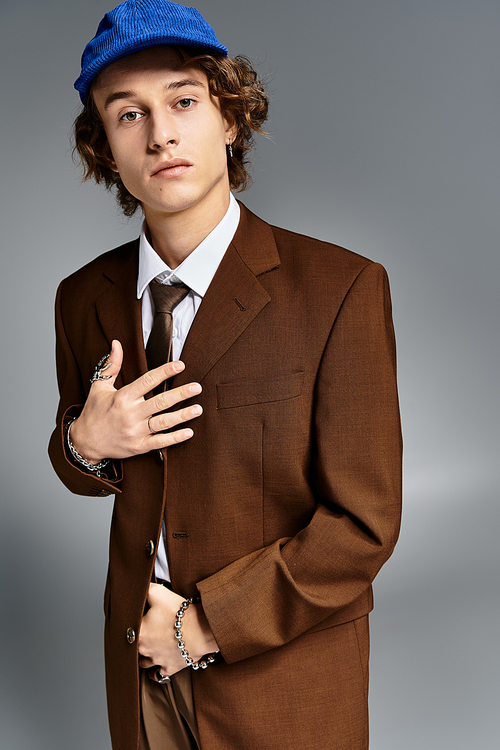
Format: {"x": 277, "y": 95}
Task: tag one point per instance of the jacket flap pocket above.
{"x": 246, "y": 392}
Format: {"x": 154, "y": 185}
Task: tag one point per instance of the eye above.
{"x": 185, "y": 103}
{"x": 131, "y": 116}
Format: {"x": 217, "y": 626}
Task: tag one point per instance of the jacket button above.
{"x": 131, "y": 635}
{"x": 160, "y": 456}
{"x": 150, "y": 546}
{"x": 103, "y": 493}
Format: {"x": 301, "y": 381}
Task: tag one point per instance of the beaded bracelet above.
{"x": 95, "y": 468}
{"x": 204, "y": 661}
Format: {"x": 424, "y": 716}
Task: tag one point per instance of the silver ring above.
{"x": 162, "y": 678}
{"x": 153, "y": 432}
{"x": 99, "y": 368}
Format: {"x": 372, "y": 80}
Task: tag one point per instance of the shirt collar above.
{"x": 198, "y": 269}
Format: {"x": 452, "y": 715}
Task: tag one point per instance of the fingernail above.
{"x": 195, "y": 388}
{"x": 196, "y": 410}
{"x": 178, "y": 366}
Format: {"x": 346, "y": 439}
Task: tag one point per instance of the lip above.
{"x": 171, "y": 168}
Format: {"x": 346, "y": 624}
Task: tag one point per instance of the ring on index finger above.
{"x": 162, "y": 678}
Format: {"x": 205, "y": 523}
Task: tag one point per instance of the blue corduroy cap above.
{"x": 138, "y": 24}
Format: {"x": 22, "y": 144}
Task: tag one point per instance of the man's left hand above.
{"x": 157, "y": 642}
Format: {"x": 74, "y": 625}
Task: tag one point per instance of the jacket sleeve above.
{"x": 72, "y": 397}
{"x": 280, "y": 592}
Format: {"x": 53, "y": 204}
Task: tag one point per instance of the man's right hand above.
{"x": 116, "y": 423}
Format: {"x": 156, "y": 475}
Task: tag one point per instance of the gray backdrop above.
{"x": 384, "y": 138}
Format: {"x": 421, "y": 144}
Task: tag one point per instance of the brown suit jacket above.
{"x": 284, "y": 505}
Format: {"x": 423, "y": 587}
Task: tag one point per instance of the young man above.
{"x": 257, "y": 481}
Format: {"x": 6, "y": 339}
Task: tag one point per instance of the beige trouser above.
{"x": 168, "y": 719}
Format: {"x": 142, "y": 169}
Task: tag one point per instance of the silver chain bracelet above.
{"x": 94, "y": 468}
{"x": 204, "y": 661}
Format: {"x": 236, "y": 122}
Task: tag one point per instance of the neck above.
{"x": 174, "y": 236}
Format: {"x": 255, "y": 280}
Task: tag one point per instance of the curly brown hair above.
{"x": 242, "y": 98}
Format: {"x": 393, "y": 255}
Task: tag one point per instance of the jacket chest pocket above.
{"x": 262, "y": 391}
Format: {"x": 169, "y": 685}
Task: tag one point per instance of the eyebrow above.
{"x": 184, "y": 82}
{"x": 117, "y": 95}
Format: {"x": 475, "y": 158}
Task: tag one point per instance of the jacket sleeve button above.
{"x": 131, "y": 635}
{"x": 103, "y": 493}
{"x": 150, "y": 546}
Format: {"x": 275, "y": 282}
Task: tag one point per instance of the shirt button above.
{"x": 175, "y": 333}
{"x": 131, "y": 635}
{"x": 150, "y": 546}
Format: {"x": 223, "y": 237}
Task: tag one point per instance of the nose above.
{"x": 163, "y": 131}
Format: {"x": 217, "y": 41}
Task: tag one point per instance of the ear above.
{"x": 231, "y": 128}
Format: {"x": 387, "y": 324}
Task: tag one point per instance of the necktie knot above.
{"x": 167, "y": 296}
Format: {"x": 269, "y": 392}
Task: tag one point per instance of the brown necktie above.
{"x": 166, "y": 297}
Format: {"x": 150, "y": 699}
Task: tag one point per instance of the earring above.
{"x": 230, "y": 147}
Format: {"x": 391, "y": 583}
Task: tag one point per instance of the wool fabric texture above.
{"x": 138, "y": 24}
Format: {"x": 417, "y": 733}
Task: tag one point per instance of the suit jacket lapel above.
{"x": 232, "y": 301}
{"x": 234, "y": 297}
{"x": 119, "y": 313}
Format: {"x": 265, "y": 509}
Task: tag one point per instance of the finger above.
{"x": 167, "y": 399}
{"x": 147, "y": 382}
{"x": 152, "y": 591}
{"x": 110, "y": 367}
{"x": 153, "y": 674}
{"x": 171, "y": 419}
{"x": 149, "y": 599}
{"x": 166, "y": 439}
{"x": 145, "y": 662}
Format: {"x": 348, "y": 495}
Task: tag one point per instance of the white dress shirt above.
{"x": 196, "y": 272}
